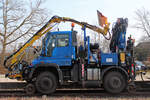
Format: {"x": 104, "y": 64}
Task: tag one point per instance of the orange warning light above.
{"x": 72, "y": 24}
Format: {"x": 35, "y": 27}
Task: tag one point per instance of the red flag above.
{"x": 102, "y": 19}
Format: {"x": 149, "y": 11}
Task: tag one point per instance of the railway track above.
{"x": 74, "y": 93}
{"x": 14, "y": 89}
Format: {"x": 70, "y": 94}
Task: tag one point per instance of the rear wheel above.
{"x": 114, "y": 82}
{"x": 46, "y": 83}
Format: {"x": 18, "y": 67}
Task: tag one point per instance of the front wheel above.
{"x": 46, "y": 83}
{"x": 114, "y": 82}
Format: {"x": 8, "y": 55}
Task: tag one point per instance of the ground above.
{"x": 76, "y": 97}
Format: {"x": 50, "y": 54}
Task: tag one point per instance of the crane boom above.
{"x": 46, "y": 28}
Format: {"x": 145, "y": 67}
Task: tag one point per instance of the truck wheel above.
{"x": 114, "y": 82}
{"x": 46, "y": 83}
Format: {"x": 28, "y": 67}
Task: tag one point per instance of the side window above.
{"x": 51, "y": 44}
{"x": 57, "y": 40}
{"x": 62, "y": 40}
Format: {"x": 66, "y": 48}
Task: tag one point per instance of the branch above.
{"x": 15, "y": 19}
{"x": 147, "y": 24}
{"x": 145, "y": 29}
{"x": 28, "y": 18}
{"x": 1, "y": 40}
{"x": 20, "y": 36}
{"x": 22, "y": 23}
{"x": 1, "y": 34}
{"x": 142, "y": 20}
{"x": 138, "y": 27}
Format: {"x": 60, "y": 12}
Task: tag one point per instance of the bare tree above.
{"x": 144, "y": 38}
{"x": 18, "y": 19}
{"x": 143, "y": 20}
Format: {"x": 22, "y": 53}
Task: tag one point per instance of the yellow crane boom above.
{"x": 46, "y": 28}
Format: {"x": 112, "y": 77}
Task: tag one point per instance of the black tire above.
{"x": 114, "y": 82}
{"x": 46, "y": 83}
{"x": 30, "y": 89}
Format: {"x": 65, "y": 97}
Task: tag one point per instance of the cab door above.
{"x": 60, "y": 49}
{"x": 63, "y": 47}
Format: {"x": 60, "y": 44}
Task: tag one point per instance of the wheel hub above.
{"x": 115, "y": 82}
{"x": 46, "y": 83}
{"x": 30, "y": 89}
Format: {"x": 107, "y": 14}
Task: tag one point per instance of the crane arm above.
{"x": 46, "y": 28}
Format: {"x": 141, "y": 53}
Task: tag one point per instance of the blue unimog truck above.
{"x": 65, "y": 63}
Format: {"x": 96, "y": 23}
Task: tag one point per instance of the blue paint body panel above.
{"x": 122, "y": 40}
{"x": 58, "y": 61}
{"x": 109, "y": 59}
{"x": 61, "y": 56}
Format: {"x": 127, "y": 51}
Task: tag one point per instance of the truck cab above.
{"x": 59, "y": 48}
{"x": 57, "y": 60}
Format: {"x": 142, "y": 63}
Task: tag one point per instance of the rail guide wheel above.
{"x": 131, "y": 88}
{"x": 30, "y": 89}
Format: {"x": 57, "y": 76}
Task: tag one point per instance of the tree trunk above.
{"x": 3, "y": 54}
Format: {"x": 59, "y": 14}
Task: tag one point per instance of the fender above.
{"x": 52, "y": 65}
{"x": 114, "y": 67}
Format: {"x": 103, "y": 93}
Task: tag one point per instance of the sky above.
{"x": 85, "y": 10}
